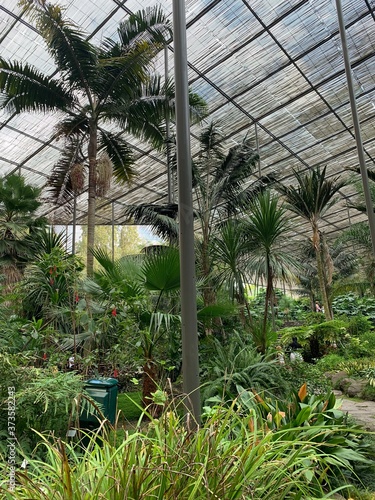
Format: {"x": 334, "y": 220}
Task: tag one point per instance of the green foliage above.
{"x": 352, "y": 304}
{"x": 237, "y": 362}
{"x": 356, "y": 367}
{"x": 368, "y": 392}
{"x": 129, "y": 404}
{"x": 359, "y": 325}
{"x": 359, "y": 347}
{"x": 44, "y": 400}
{"x": 297, "y": 374}
{"x": 330, "y": 362}
{"x": 331, "y": 330}
{"x": 232, "y": 455}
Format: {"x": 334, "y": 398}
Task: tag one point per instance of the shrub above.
{"x": 297, "y": 374}
{"x": 359, "y": 325}
{"x": 44, "y": 400}
{"x": 238, "y": 362}
{"x": 330, "y": 362}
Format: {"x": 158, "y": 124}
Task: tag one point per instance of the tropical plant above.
{"x": 138, "y": 287}
{"x": 232, "y": 456}
{"x": 44, "y": 400}
{"x": 237, "y": 362}
{"x": 221, "y": 191}
{"x": 266, "y": 226}
{"x": 94, "y": 86}
{"x": 310, "y": 199}
{"x": 18, "y": 224}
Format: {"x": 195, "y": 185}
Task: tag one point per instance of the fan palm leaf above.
{"x": 161, "y": 270}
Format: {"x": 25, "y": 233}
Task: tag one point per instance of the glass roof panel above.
{"x": 278, "y": 62}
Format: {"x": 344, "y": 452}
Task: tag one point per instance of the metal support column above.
{"x": 357, "y": 130}
{"x": 257, "y": 147}
{"x": 168, "y": 131}
{"x": 190, "y": 362}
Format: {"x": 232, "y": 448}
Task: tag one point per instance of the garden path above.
{"x": 362, "y": 411}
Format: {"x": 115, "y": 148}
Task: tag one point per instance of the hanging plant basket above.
{"x": 104, "y": 169}
{"x": 77, "y": 178}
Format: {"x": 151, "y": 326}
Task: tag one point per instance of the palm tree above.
{"x": 143, "y": 284}
{"x": 266, "y": 227}
{"x": 94, "y": 86}
{"x": 220, "y": 190}
{"x": 310, "y": 199}
{"x": 18, "y": 222}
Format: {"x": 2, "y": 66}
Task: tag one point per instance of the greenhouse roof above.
{"x": 269, "y": 69}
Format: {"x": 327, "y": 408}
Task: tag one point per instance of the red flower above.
{"x": 51, "y": 281}
{"x": 50, "y": 270}
{"x": 114, "y": 312}
{"x": 77, "y": 297}
{"x": 44, "y": 356}
{"x": 115, "y": 373}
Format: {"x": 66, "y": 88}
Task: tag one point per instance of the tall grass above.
{"x": 232, "y": 456}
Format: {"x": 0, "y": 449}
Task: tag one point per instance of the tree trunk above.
{"x": 92, "y": 150}
{"x": 319, "y": 265}
{"x": 149, "y": 386}
{"x": 268, "y": 298}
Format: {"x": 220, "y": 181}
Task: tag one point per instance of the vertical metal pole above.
{"x": 190, "y": 362}
{"x": 357, "y": 130}
{"x": 257, "y": 146}
{"x": 113, "y": 231}
{"x": 168, "y": 130}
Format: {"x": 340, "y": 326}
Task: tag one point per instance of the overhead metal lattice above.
{"x": 276, "y": 63}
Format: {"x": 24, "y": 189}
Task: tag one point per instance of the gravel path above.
{"x": 362, "y": 411}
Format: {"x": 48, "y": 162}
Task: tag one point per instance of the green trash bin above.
{"x": 103, "y": 391}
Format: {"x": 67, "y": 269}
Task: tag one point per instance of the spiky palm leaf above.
{"x": 310, "y": 199}
{"x": 25, "y": 88}
{"x": 313, "y": 195}
{"x": 229, "y": 252}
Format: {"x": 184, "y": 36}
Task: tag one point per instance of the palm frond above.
{"x": 161, "y": 270}
{"x": 75, "y": 57}
{"x": 161, "y": 218}
{"x": 24, "y": 88}
{"x": 60, "y": 183}
{"x": 314, "y": 193}
{"x": 149, "y": 25}
{"x": 76, "y": 125}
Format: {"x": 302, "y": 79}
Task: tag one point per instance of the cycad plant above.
{"x": 95, "y": 86}
{"x": 313, "y": 195}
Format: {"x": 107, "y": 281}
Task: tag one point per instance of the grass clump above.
{"x": 233, "y": 455}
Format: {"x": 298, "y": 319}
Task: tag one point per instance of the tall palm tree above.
{"x": 18, "y": 221}
{"x": 310, "y": 199}
{"x": 95, "y": 86}
{"x": 266, "y": 227}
